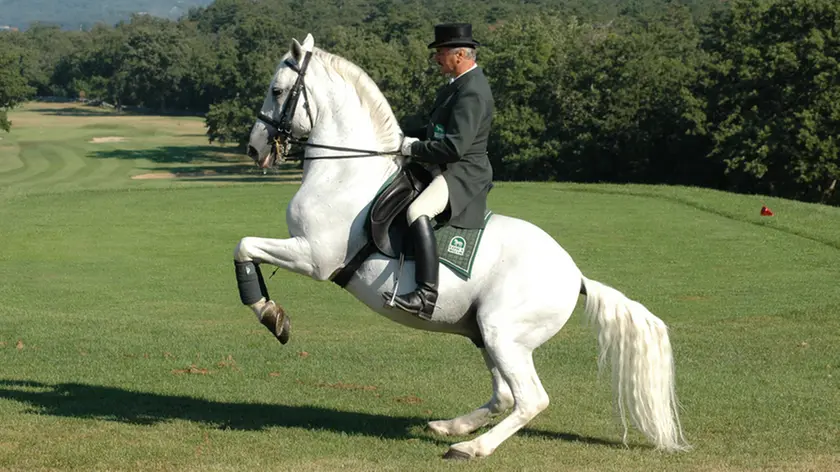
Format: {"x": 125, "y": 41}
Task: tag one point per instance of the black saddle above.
{"x": 387, "y": 223}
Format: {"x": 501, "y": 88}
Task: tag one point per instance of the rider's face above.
{"x": 448, "y": 60}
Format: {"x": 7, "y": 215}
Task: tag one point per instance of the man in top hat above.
{"x": 454, "y": 145}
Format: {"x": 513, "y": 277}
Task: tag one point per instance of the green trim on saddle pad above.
{"x": 457, "y": 247}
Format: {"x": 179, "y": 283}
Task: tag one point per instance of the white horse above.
{"x": 518, "y": 296}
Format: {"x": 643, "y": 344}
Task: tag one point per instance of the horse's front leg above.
{"x": 292, "y": 254}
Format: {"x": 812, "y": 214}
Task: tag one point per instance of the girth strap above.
{"x": 342, "y": 278}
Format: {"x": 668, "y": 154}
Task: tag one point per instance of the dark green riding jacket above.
{"x": 456, "y": 139}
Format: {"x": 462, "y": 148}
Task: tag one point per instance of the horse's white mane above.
{"x": 388, "y": 131}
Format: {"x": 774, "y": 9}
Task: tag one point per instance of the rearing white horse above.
{"x": 517, "y": 298}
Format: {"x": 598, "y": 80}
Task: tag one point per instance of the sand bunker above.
{"x": 154, "y": 175}
{"x": 107, "y": 139}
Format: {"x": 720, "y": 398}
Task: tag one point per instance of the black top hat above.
{"x": 453, "y": 35}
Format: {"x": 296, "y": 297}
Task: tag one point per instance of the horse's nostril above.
{"x": 252, "y": 152}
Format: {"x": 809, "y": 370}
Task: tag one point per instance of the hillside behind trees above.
{"x": 83, "y": 14}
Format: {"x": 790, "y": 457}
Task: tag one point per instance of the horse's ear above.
{"x": 308, "y": 42}
{"x": 297, "y": 51}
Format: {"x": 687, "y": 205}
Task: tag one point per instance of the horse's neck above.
{"x": 335, "y": 193}
{"x": 348, "y": 125}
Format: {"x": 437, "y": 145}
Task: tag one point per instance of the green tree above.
{"x": 46, "y": 45}
{"x": 152, "y": 60}
{"x": 95, "y": 68}
{"x": 230, "y": 121}
{"x": 627, "y": 108}
{"x": 522, "y": 58}
{"x": 13, "y": 87}
{"x": 616, "y": 101}
{"x": 774, "y": 98}
{"x": 250, "y": 38}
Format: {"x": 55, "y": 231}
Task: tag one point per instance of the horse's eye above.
{"x": 276, "y": 92}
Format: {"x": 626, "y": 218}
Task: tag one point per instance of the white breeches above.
{"x": 431, "y": 202}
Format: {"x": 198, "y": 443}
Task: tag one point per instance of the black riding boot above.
{"x": 422, "y": 300}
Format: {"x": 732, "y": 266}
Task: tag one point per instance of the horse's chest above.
{"x": 308, "y": 215}
{"x": 321, "y": 218}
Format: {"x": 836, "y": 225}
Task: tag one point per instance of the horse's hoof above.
{"x": 275, "y": 319}
{"x": 434, "y": 427}
{"x": 454, "y": 454}
{"x": 285, "y": 331}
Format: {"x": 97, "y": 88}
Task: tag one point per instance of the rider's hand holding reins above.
{"x": 405, "y": 147}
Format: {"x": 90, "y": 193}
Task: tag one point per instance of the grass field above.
{"x": 123, "y": 345}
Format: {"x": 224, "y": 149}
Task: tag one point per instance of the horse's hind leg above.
{"x": 516, "y": 366}
{"x": 501, "y": 400}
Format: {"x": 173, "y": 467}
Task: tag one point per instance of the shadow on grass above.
{"x": 228, "y": 173}
{"x": 83, "y": 110}
{"x": 571, "y": 437}
{"x": 169, "y": 154}
{"x": 75, "y": 400}
{"x": 233, "y": 173}
{"x": 77, "y": 111}
{"x": 244, "y": 179}
{"x": 204, "y": 164}
{"x": 208, "y": 170}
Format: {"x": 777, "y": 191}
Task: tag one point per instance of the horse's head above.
{"x": 332, "y": 101}
{"x": 287, "y": 112}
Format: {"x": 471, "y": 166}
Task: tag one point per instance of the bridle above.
{"x": 281, "y": 139}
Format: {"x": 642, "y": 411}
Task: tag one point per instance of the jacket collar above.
{"x": 464, "y": 73}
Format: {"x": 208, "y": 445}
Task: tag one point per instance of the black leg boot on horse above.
{"x": 422, "y": 300}
{"x": 253, "y": 292}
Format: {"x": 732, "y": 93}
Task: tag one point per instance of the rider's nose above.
{"x": 252, "y": 152}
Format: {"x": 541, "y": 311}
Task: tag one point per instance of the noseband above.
{"x": 282, "y": 139}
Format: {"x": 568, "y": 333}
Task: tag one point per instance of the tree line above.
{"x": 741, "y": 96}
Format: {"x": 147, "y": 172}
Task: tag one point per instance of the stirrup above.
{"x": 390, "y": 300}
{"x": 422, "y": 296}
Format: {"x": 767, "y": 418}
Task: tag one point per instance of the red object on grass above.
{"x": 766, "y": 211}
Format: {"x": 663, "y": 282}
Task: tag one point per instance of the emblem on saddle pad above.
{"x": 457, "y": 246}
{"x": 439, "y": 132}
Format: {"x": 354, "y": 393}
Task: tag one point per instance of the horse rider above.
{"x": 453, "y": 145}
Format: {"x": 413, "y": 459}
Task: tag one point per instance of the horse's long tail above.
{"x": 636, "y": 344}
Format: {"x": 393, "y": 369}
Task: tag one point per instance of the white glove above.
{"x": 405, "y": 147}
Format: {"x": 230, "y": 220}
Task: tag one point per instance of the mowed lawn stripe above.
{"x": 34, "y": 160}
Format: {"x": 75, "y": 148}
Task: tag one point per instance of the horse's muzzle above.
{"x": 266, "y": 161}
{"x": 253, "y": 153}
